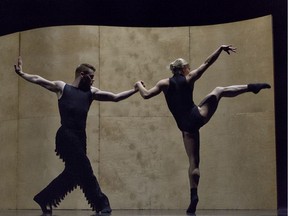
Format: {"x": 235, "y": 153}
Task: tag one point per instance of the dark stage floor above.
{"x": 145, "y": 213}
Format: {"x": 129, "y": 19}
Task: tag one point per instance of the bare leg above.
{"x": 191, "y": 143}
{"x": 209, "y": 104}
{"x": 207, "y": 108}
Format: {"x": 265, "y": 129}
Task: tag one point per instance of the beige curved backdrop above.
{"x": 135, "y": 147}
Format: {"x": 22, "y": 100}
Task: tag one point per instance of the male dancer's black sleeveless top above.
{"x": 74, "y": 106}
{"x": 179, "y": 99}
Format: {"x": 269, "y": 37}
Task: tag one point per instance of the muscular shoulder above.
{"x": 58, "y": 88}
{"x": 192, "y": 75}
{"x": 163, "y": 82}
{"x": 59, "y": 84}
{"x": 94, "y": 90}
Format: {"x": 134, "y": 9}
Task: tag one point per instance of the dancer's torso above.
{"x": 179, "y": 98}
{"x": 73, "y": 106}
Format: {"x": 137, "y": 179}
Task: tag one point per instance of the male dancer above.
{"x": 178, "y": 91}
{"x": 74, "y": 101}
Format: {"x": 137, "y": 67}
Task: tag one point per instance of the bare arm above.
{"x": 109, "y": 96}
{"x": 157, "y": 89}
{"x": 54, "y": 86}
{"x": 197, "y": 73}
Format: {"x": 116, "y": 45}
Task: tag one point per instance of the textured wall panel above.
{"x": 8, "y": 120}
{"x": 134, "y": 146}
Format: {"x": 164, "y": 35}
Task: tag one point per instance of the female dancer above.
{"x": 178, "y": 91}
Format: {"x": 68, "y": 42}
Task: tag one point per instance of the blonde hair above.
{"x": 177, "y": 65}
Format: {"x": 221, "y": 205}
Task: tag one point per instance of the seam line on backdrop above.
{"x": 18, "y": 116}
{"x": 99, "y": 110}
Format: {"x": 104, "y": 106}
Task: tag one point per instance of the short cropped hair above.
{"x": 84, "y": 68}
{"x": 177, "y": 65}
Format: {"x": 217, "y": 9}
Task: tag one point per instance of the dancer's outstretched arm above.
{"x": 157, "y": 89}
{"x": 54, "y": 86}
{"x": 197, "y": 73}
{"x": 110, "y": 96}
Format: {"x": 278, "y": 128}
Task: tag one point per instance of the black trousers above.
{"x": 71, "y": 148}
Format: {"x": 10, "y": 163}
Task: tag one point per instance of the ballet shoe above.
{"x": 256, "y": 87}
{"x": 192, "y": 207}
{"x": 193, "y": 202}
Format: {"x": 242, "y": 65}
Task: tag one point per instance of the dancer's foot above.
{"x": 46, "y": 214}
{"x": 43, "y": 207}
{"x": 190, "y": 214}
{"x": 193, "y": 202}
{"x": 104, "y": 212}
{"x": 192, "y": 207}
{"x": 105, "y": 206}
{"x": 256, "y": 87}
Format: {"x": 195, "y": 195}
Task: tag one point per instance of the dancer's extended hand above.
{"x": 140, "y": 83}
{"x": 228, "y": 48}
{"x": 18, "y": 67}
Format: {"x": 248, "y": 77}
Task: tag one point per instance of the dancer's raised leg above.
{"x": 209, "y": 104}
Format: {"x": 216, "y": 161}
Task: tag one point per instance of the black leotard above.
{"x": 179, "y": 99}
